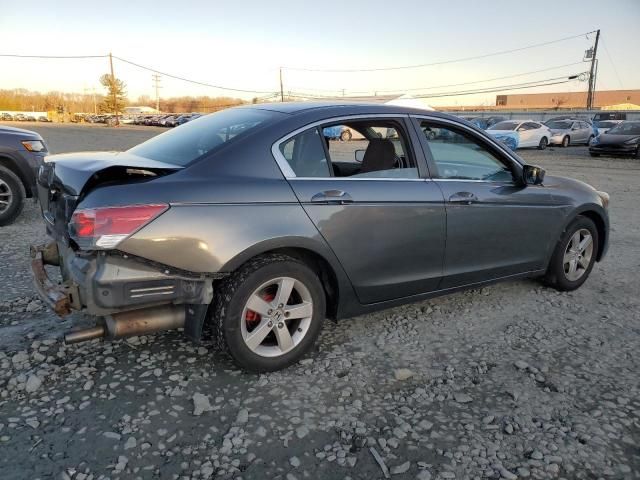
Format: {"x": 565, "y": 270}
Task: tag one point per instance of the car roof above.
{"x": 338, "y": 108}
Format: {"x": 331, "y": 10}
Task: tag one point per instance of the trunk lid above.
{"x": 64, "y": 179}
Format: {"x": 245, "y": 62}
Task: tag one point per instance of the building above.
{"x": 602, "y": 98}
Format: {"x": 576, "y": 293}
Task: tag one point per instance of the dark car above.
{"x": 253, "y": 220}
{"x": 623, "y": 139}
{"x": 21, "y": 154}
{"x": 598, "y": 117}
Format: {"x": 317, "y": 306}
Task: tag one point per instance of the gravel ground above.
{"x": 509, "y": 381}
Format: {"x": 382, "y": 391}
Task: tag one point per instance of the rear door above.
{"x": 496, "y": 227}
{"x": 384, "y": 221}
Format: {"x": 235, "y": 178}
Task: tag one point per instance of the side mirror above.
{"x": 359, "y": 155}
{"x": 532, "y": 175}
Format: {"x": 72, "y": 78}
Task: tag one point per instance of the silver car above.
{"x": 568, "y": 132}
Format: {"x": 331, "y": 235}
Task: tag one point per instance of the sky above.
{"x": 243, "y": 44}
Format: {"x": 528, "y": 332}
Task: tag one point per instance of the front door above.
{"x": 369, "y": 200}
{"x": 496, "y": 226}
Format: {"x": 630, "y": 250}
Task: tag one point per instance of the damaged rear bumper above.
{"x": 116, "y": 286}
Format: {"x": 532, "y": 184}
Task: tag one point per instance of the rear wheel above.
{"x": 566, "y": 141}
{"x": 594, "y": 154}
{"x": 12, "y": 196}
{"x": 590, "y": 138}
{"x": 543, "y": 143}
{"x": 574, "y": 256}
{"x": 269, "y": 313}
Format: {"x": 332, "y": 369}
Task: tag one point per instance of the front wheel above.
{"x": 12, "y": 196}
{"x": 566, "y": 141}
{"x": 269, "y": 313}
{"x": 574, "y": 255}
{"x": 543, "y": 143}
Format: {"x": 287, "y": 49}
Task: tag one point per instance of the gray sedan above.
{"x": 254, "y": 221}
{"x": 570, "y": 132}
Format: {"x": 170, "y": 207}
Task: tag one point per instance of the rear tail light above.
{"x": 105, "y": 228}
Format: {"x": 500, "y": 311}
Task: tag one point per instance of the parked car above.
{"x": 603, "y": 126}
{"x": 249, "y": 215}
{"x": 182, "y": 119}
{"x": 567, "y": 132}
{"x": 484, "y": 123}
{"x": 20, "y": 117}
{"x": 528, "y": 133}
{"x": 42, "y": 118}
{"x": 6, "y": 117}
{"x": 598, "y": 117}
{"x": 623, "y": 139}
{"x": 21, "y": 155}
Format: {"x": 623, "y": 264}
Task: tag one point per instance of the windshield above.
{"x": 606, "y": 124}
{"x": 191, "y": 140}
{"x": 508, "y": 125}
{"x": 560, "y": 124}
{"x": 626, "y": 128}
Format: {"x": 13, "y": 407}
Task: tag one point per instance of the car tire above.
{"x": 543, "y": 143}
{"x": 564, "y": 275}
{"x": 12, "y": 192}
{"x": 591, "y": 137}
{"x": 346, "y": 135}
{"x": 234, "y": 322}
{"x": 594, "y": 154}
{"x": 566, "y": 141}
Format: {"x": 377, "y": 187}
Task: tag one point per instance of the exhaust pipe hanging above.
{"x": 135, "y": 322}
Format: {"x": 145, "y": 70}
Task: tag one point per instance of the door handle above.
{"x": 466, "y": 198}
{"x": 332, "y": 196}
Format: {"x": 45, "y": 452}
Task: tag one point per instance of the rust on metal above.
{"x": 52, "y": 294}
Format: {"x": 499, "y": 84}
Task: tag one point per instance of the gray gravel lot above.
{"x": 509, "y": 381}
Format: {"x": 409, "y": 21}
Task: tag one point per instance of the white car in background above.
{"x": 527, "y": 133}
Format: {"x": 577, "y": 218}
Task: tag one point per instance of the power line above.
{"x": 51, "y": 56}
{"x": 189, "y": 80}
{"x": 613, "y": 65}
{"x": 402, "y": 90}
{"x": 444, "y": 62}
{"x": 515, "y": 86}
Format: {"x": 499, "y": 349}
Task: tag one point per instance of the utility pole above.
{"x": 281, "y": 89}
{"x": 113, "y": 88}
{"x": 592, "y": 76}
{"x": 95, "y": 106}
{"x": 156, "y": 83}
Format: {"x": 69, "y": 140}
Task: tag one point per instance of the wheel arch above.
{"x": 10, "y": 164}
{"x": 596, "y": 214}
{"x": 314, "y": 255}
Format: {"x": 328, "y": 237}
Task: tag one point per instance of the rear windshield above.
{"x": 626, "y": 128}
{"x": 504, "y": 126}
{"x": 187, "y": 142}
{"x": 560, "y": 124}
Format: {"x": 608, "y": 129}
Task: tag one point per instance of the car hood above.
{"x": 558, "y": 131}
{"x": 72, "y": 171}
{"x": 607, "y": 138}
{"x": 21, "y": 132}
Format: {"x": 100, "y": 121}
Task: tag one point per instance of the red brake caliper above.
{"x": 253, "y": 318}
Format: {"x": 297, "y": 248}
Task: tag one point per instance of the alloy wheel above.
{"x": 577, "y": 255}
{"x": 276, "y": 317}
{"x": 6, "y": 196}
